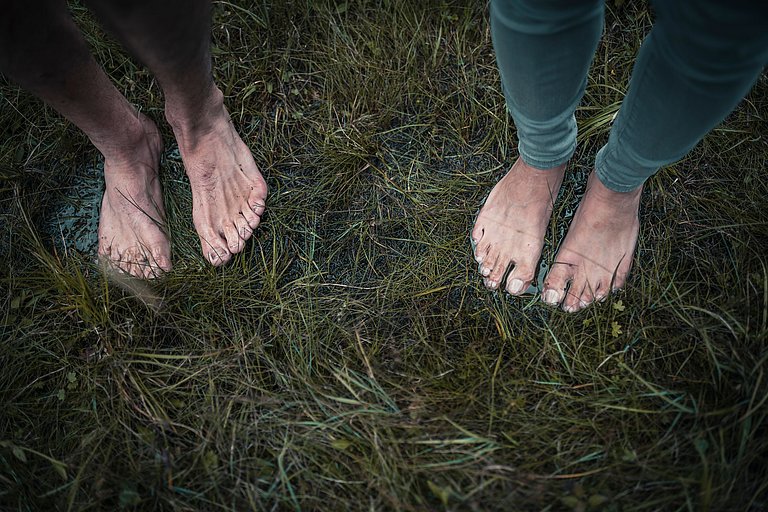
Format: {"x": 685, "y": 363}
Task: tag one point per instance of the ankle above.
{"x": 122, "y": 143}
{"x": 596, "y": 187}
{"x": 190, "y": 116}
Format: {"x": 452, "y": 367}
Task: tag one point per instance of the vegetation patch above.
{"x": 350, "y": 358}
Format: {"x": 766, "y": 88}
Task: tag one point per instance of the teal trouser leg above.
{"x": 543, "y": 50}
{"x": 694, "y": 67}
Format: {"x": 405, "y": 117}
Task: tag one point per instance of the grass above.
{"x": 350, "y": 358}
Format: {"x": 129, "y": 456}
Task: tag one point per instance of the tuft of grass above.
{"x": 349, "y": 358}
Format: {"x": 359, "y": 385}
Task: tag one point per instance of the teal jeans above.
{"x": 697, "y": 63}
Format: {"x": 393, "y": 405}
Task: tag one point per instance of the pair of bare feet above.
{"x": 228, "y": 191}
{"x": 592, "y": 261}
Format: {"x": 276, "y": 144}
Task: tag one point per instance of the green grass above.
{"x": 350, "y": 358}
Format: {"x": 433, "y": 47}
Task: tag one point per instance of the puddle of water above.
{"x": 74, "y": 220}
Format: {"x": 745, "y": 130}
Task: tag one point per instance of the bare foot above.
{"x": 596, "y": 255}
{"x": 228, "y": 191}
{"x": 511, "y": 225}
{"x": 132, "y": 214}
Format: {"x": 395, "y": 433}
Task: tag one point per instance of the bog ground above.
{"x": 349, "y": 358}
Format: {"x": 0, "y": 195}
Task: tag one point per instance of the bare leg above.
{"x": 173, "y": 39}
{"x": 43, "y": 51}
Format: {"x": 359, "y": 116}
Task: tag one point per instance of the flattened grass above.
{"x": 350, "y": 359}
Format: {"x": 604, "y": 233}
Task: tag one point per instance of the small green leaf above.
{"x": 72, "y": 377}
{"x": 619, "y": 306}
{"x": 587, "y": 322}
{"x": 615, "y": 329}
{"x": 341, "y": 444}
{"x": 210, "y": 460}
{"x": 342, "y": 8}
{"x": 442, "y": 493}
{"x": 629, "y": 455}
{"x": 61, "y": 470}
{"x": 61, "y": 395}
{"x": 19, "y": 453}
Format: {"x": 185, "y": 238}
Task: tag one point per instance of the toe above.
{"x": 133, "y": 258}
{"x": 572, "y": 301}
{"x": 256, "y": 201}
{"x": 477, "y": 233}
{"x": 599, "y": 292}
{"x": 555, "y": 283}
{"x": 488, "y": 264}
{"x": 499, "y": 269}
{"x": 243, "y": 228}
{"x": 120, "y": 260}
{"x": 234, "y": 241}
{"x": 159, "y": 263}
{"x": 218, "y": 256}
{"x": 520, "y": 278}
{"x": 481, "y": 252}
{"x": 586, "y": 298}
{"x": 161, "y": 260}
{"x": 215, "y": 249}
{"x": 251, "y": 218}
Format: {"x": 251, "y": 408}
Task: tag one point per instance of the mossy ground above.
{"x": 349, "y": 358}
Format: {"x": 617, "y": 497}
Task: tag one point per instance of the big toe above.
{"x": 215, "y": 249}
{"x": 159, "y": 263}
{"x": 520, "y": 278}
{"x": 556, "y": 282}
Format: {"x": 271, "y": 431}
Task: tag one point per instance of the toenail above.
{"x": 569, "y": 309}
{"x": 485, "y": 271}
{"x": 551, "y": 297}
{"x": 515, "y": 286}
{"x": 493, "y": 284}
{"x": 479, "y": 259}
